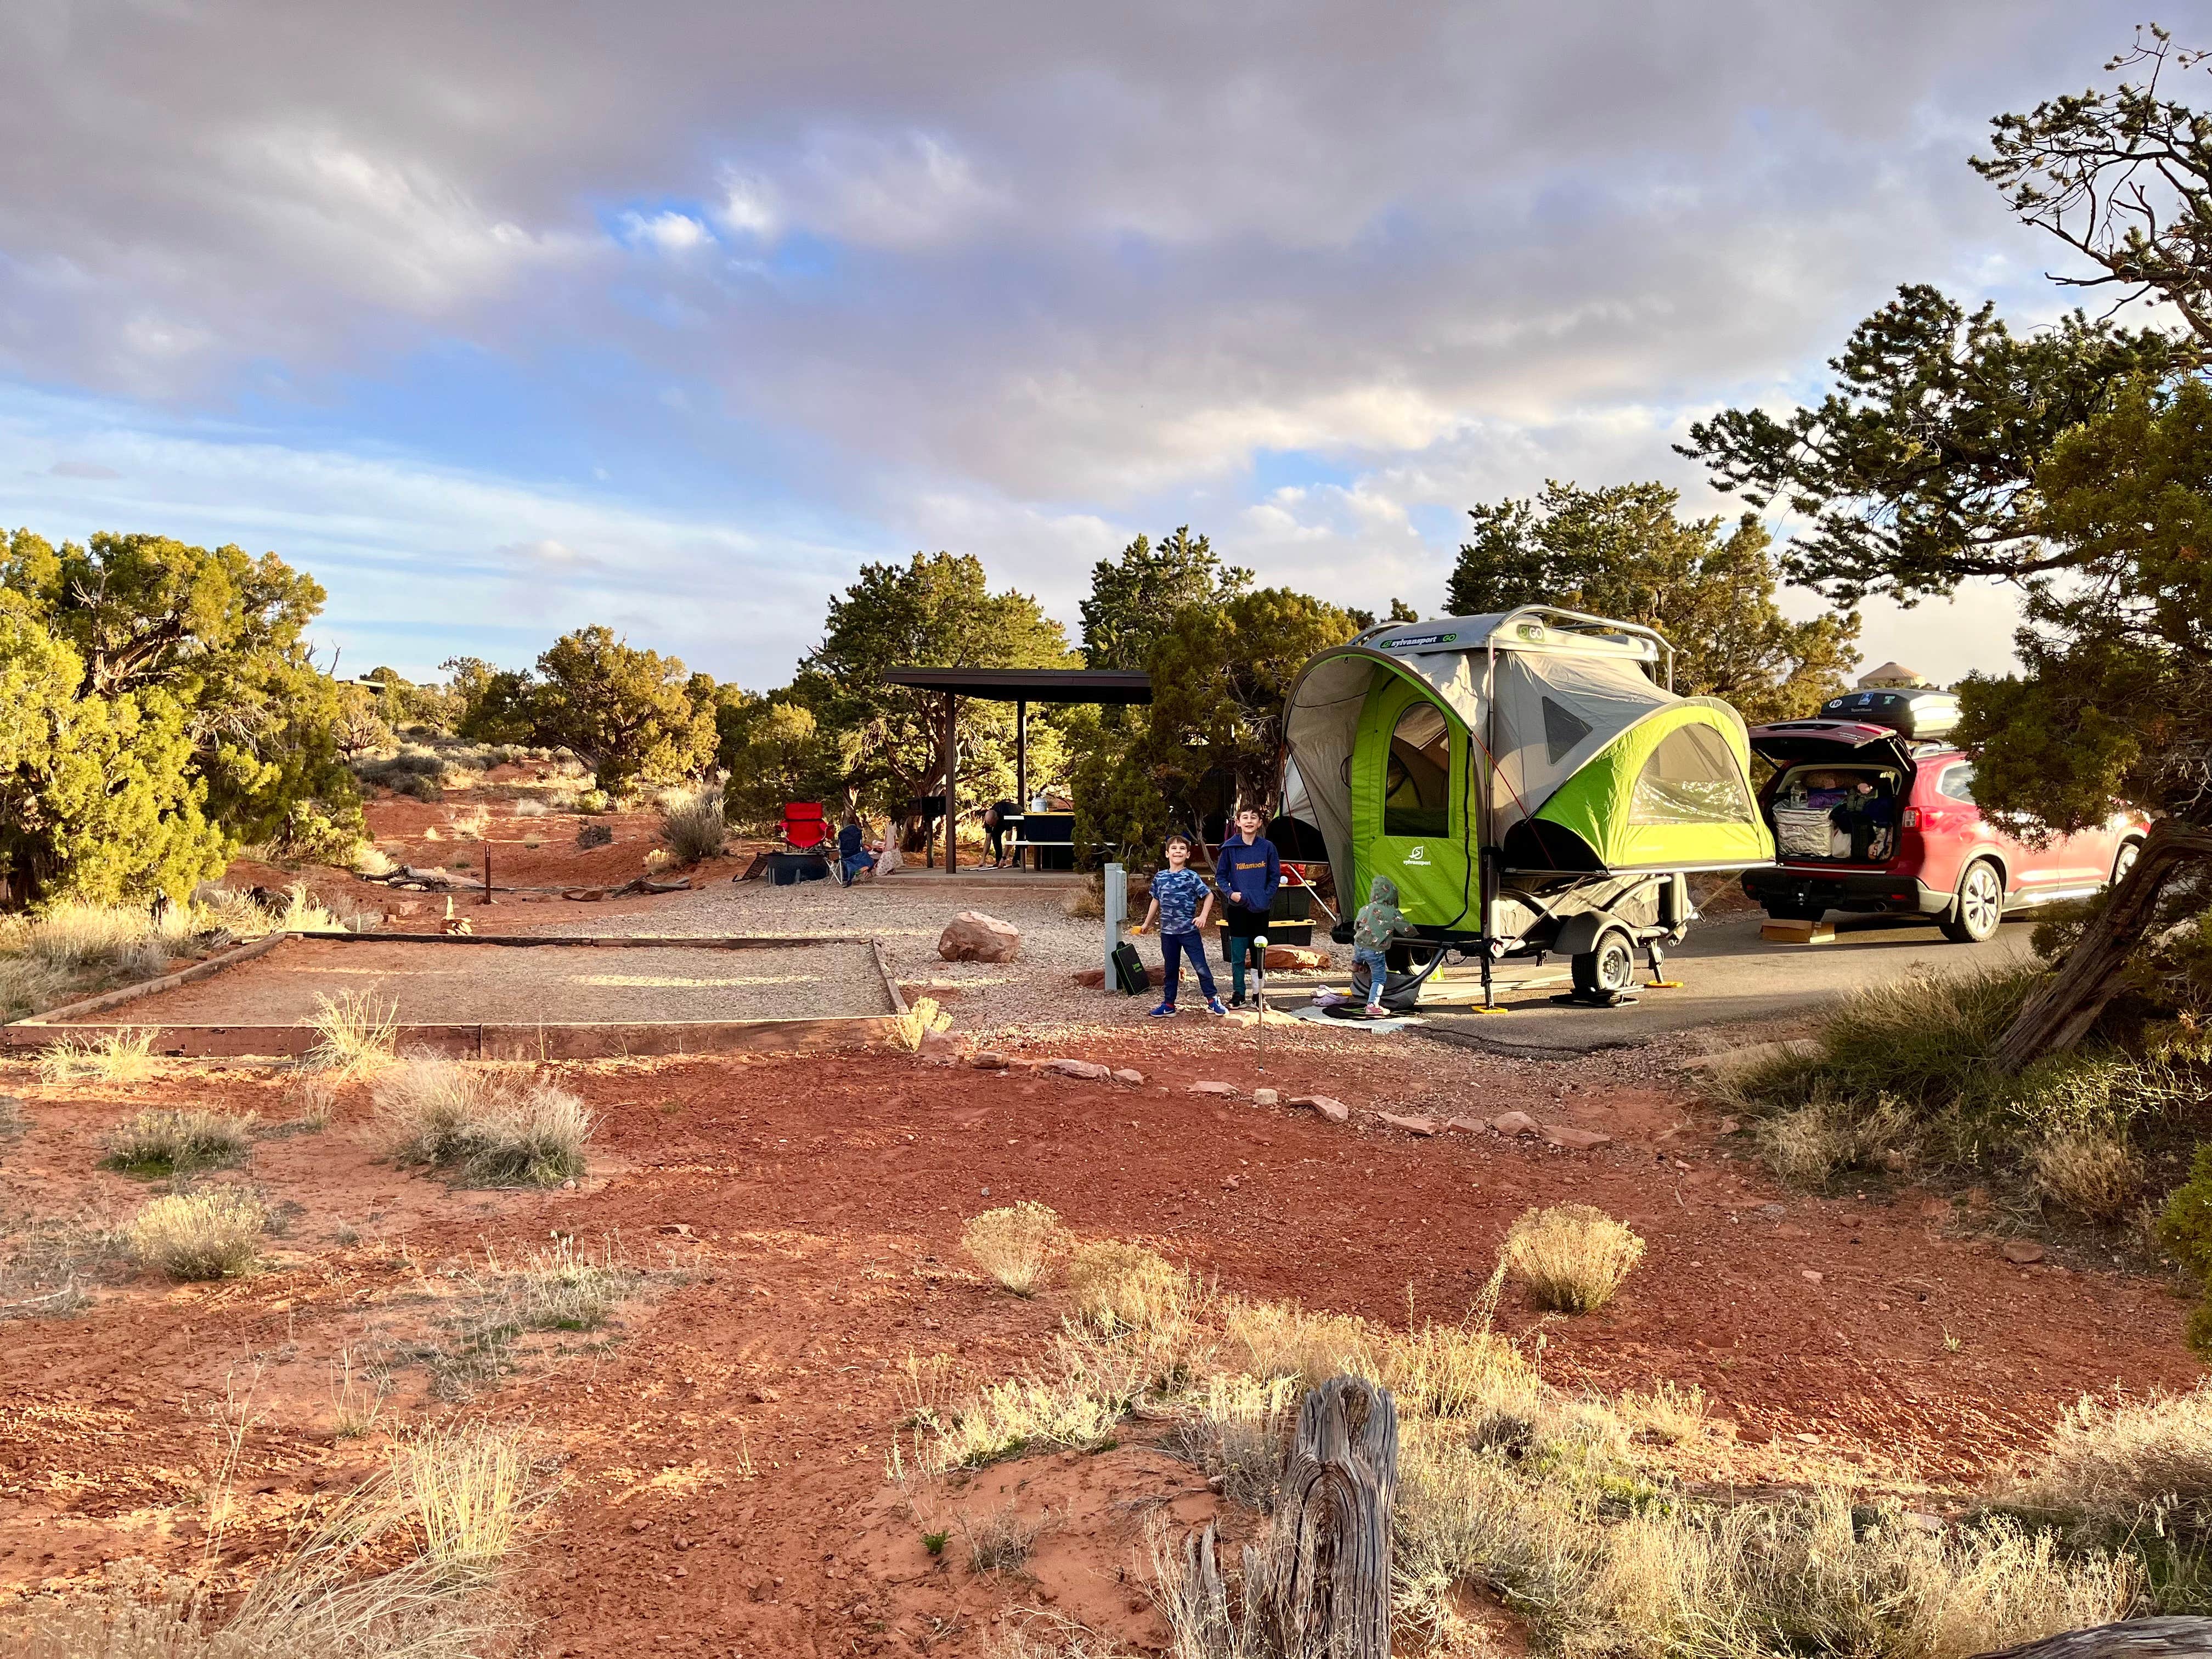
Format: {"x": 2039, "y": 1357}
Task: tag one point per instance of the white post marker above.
{"x": 1117, "y": 912}
{"x": 1260, "y": 984}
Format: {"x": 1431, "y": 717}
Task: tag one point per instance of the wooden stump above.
{"x": 2135, "y": 1639}
{"x": 1328, "y": 1566}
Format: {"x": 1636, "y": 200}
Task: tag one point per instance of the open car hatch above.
{"x": 1789, "y": 742}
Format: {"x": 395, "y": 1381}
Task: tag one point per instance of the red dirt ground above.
{"x": 721, "y": 1463}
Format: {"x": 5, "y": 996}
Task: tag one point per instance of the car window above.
{"x": 1957, "y": 783}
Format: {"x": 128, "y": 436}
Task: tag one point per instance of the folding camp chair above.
{"x": 803, "y": 827}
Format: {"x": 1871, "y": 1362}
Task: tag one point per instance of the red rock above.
{"x": 1294, "y": 959}
{"x": 1088, "y": 1069}
{"x": 1411, "y": 1125}
{"x": 939, "y": 1042}
{"x": 1516, "y": 1123}
{"x": 1124, "y": 1074}
{"x": 1213, "y": 1088}
{"x": 972, "y": 936}
{"x": 1334, "y": 1110}
{"x": 1574, "y": 1139}
{"x": 1809, "y": 1276}
{"x": 2022, "y": 1251}
{"x": 1265, "y": 1096}
{"x": 1468, "y": 1125}
{"x": 988, "y": 1060}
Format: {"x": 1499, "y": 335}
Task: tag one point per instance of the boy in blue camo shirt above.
{"x": 1182, "y": 901}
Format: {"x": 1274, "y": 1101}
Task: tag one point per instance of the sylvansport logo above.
{"x": 1418, "y": 855}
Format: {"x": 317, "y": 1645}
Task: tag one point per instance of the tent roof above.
{"x": 1030, "y": 685}
{"x": 1541, "y": 628}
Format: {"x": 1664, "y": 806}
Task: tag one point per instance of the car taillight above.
{"x": 1911, "y": 819}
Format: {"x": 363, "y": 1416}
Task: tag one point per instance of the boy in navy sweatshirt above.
{"x": 1247, "y": 872}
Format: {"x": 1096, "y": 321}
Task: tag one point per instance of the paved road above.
{"x": 1730, "y": 973}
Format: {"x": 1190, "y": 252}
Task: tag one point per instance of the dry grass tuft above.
{"x": 692, "y": 825}
{"x": 1571, "y": 1257}
{"x": 123, "y": 937}
{"x": 126, "y": 1055}
{"x": 467, "y": 1493}
{"x": 1667, "y": 1413}
{"x": 305, "y": 913}
{"x": 569, "y": 1286}
{"x": 493, "y": 1126}
{"x": 1237, "y": 1428}
{"x": 210, "y": 1233}
{"x": 1014, "y": 1244}
{"x": 316, "y": 1098}
{"x": 1126, "y": 1287}
{"x": 2144, "y": 1468}
{"x": 1001, "y": 1542}
{"x": 1076, "y": 1403}
{"x": 1281, "y": 1339}
{"x": 169, "y": 1142}
{"x": 356, "y": 1035}
{"x": 27, "y": 986}
{"x": 2093, "y": 1176}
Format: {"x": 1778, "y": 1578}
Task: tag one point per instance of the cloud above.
{"x": 1009, "y": 279}
{"x": 81, "y": 470}
{"x": 666, "y": 233}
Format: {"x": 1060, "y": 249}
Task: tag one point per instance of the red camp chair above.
{"x": 803, "y": 827}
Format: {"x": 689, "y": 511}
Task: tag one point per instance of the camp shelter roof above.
{"x": 1030, "y": 685}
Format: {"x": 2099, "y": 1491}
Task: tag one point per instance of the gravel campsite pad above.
{"x": 551, "y": 984}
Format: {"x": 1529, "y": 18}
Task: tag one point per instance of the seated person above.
{"x": 1868, "y": 814}
{"x": 853, "y": 857}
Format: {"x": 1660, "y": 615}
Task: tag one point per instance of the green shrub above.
{"x": 1899, "y": 1075}
{"x": 2186, "y": 1227}
{"x": 168, "y": 1142}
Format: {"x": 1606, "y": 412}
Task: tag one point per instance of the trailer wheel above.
{"x": 1607, "y": 968}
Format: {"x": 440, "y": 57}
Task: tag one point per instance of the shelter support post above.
{"x": 951, "y": 773}
{"x": 1117, "y": 912}
{"x": 1022, "y": 754}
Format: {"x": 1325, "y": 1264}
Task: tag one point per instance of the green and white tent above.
{"x": 1543, "y": 735}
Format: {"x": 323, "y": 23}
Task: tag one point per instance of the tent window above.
{"x": 1563, "y": 730}
{"x": 1691, "y": 778}
{"x": 1417, "y": 780}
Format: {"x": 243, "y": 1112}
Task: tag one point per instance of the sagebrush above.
{"x": 492, "y": 1125}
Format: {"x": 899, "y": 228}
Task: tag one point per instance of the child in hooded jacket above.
{"x": 1379, "y": 922}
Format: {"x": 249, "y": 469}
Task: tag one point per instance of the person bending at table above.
{"x": 994, "y": 829}
{"x": 1247, "y": 872}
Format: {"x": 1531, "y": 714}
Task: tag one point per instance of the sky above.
{"x": 503, "y": 319}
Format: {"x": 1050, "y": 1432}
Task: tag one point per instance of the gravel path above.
{"x": 484, "y": 984}
{"x": 1033, "y": 995}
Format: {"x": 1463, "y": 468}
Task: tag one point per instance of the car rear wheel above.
{"x": 1607, "y": 968}
{"x": 2124, "y": 860}
{"x": 1978, "y": 906}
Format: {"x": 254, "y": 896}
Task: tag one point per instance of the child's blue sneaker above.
{"x": 1166, "y": 1010}
{"x": 1213, "y": 1006}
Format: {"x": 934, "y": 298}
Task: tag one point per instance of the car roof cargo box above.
{"x": 1914, "y": 714}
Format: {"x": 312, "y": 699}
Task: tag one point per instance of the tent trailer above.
{"x": 1529, "y": 782}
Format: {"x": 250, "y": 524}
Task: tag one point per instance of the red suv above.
{"x": 1873, "y": 810}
